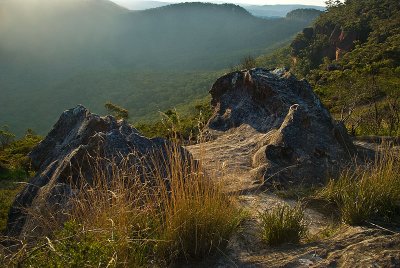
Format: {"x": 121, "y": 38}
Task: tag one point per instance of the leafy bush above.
{"x": 367, "y": 192}
{"x": 6, "y": 137}
{"x": 14, "y": 168}
{"x": 8, "y": 190}
{"x": 369, "y": 104}
{"x": 72, "y": 247}
{"x": 14, "y": 155}
{"x": 247, "y": 63}
{"x": 283, "y": 224}
{"x": 183, "y": 127}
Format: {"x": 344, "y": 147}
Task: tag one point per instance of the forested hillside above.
{"x": 55, "y": 54}
{"x": 352, "y": 56}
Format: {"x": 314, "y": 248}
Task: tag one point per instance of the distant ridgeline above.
{"x": 352, "y": 57}
{"x": 276, "y": 11}
{"x": 303, "y": 14}
{"x": 56, "y": 54}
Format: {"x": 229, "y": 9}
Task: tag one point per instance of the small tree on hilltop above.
{"x": 248, "y": 62}
{"x": 117, "y": 111}
{"x": 332, "y": 3}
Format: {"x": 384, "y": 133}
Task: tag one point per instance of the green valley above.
{"x": 91, "y": 52}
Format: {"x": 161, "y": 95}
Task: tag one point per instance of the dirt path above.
{"x": 229, "y": 159}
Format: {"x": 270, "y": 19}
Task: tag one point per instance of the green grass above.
{"x": 367, "y": 192}
{"x": 73, "y": 247}
{"x": 9, "y": 188}
{"x": 323, "y": 234}
{"x": 283, "y": 224}
{"x": 296, "y": 192}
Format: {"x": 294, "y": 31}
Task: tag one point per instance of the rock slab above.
{"x": 66, "y": 154}
{"x": 301, "y": 142}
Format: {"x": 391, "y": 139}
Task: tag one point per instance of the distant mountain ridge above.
{"x": 103, "y": 32}
{"x": 267, "y": 11}
{"x": 54, "y": 54}
{"x": 277, "y": 10}
{"x": 205, "y": 7}
{"x": 141, "y": 5}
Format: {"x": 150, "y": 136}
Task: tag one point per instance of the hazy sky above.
{"x": 254, "y": 2}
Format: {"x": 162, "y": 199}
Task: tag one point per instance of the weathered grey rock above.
{"x": 77, "y": 142}
{"x": 302, "y": 143}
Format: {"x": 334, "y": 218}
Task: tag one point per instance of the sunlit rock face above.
{"x": 302, "y": 143}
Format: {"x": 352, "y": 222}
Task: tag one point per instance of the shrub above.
{"x": 15, "y": 168}
{"x": 283, "y": 224}
{"x": 72, "y": 247}
{"x": 184, "y": 128}
{"x": 14, "y": 155}
{"x": 6, "y": 137}
{"x": 368, "y": 191}
{"x": 248, "y": 62}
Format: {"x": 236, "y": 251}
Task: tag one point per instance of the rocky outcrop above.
{"x": 299, "y": 142}
{"x": 339, "y": 41}
{"x": 78, "y": 142}
{"x": 270, "y": 129}
{"x": 342, "y": 41}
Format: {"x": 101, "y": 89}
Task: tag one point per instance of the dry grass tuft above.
{"x": 283, "y": 224}
{"x": 368, "y": 191}
{"x": 122, "y": 218}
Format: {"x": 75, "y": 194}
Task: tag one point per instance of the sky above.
{"x": 252, "y": 2}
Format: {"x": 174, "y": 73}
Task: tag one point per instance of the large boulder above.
{"x": 78, "y": 142}
{"x": 300, "y": 142}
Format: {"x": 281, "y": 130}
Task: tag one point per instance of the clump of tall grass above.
{"x": 122, "y": 218}
{"x": 367, "y": 191}
{"x": 283, "y": 224}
